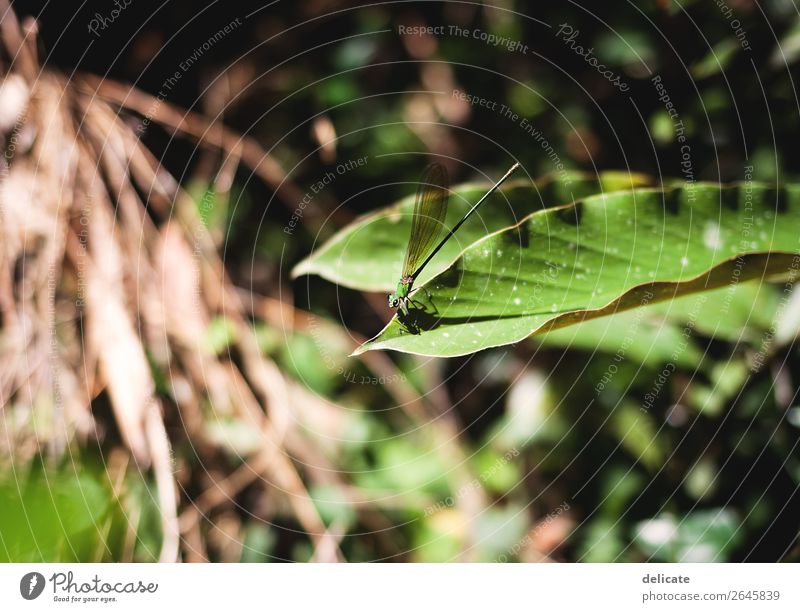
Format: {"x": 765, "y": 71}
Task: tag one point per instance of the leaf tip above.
{"x": 302, "y": 268}
{"x": 360, "y": 349}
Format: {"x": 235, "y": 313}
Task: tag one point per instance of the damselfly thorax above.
{"x": 400, "y": 298}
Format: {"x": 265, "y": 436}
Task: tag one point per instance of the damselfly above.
{"x": 430, "y": 208}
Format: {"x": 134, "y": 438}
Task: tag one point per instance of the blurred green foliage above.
{"x": 73, "y": 512}
{"x": 704, "y": 469}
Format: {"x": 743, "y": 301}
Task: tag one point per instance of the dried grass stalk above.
{"x": 107, "y": 275}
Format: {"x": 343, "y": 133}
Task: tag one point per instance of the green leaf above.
{"x": 312, "y": 361}
{"x": 627, "y": 47}
{"x": 406, "y": 466}
{"x": 601, "y": 542}
{"x": 717, "y": 59}
{"x": 237, "y": 436}
{"x": 259, "y": 540}
{"x": 634, "y": 335}
{"x": 500, "y": 532}
{"x": 727, "y": 379}
{"x": 662, "y": 127}
{"x": 736, "y": 312}
{"x": 220, "y": 334}
{"x": 652, "y": 335}
{"x": 637, "y": 433}
{"x": 701, "y": 536}
{"x": 788, "y": 49}
{"x": 368, "y": 254}
{"x": 55, "y": 516}
{"x": 619, "y": 485}
{"x": 333, "y": 504}
{"x": 601, "y": 255}
{"x": 439, "y": 537}
{"x": 701, "y": 480}
{"x": 497, "y": 472}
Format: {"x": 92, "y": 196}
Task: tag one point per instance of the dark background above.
{"x": 289, "y": 62}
